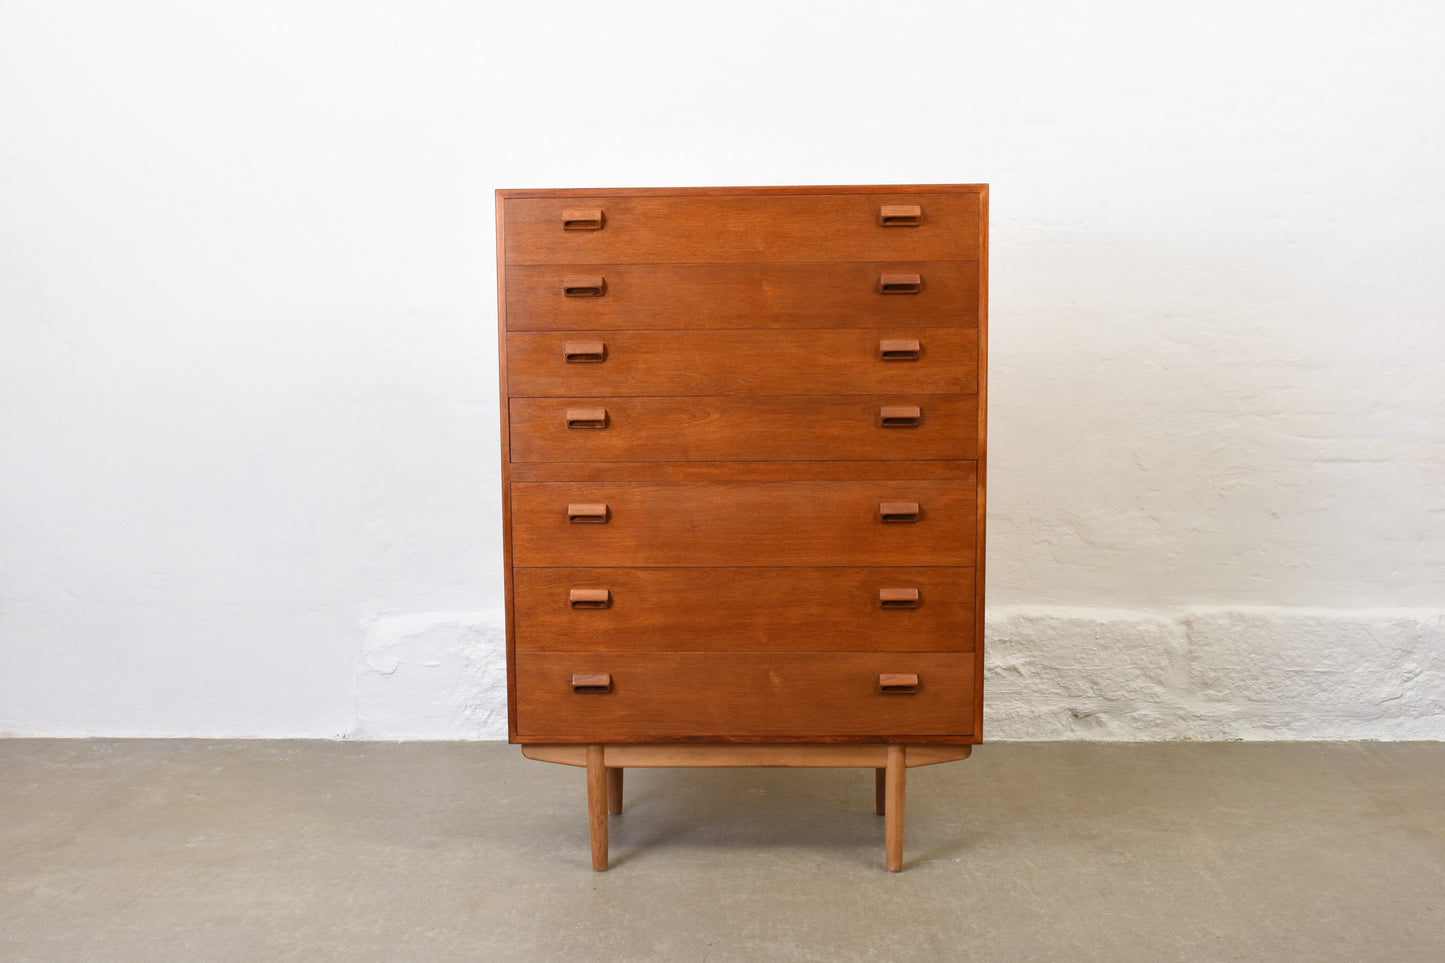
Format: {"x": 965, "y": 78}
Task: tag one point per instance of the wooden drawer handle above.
{"x": 900, "y": 215}
{"x": 592, "y": 682}
{"x": 900, "y": 283}
{"x": 582, "y": 219}
{"x": 583, "y": 287}
{"x": 898, "y": 511}
{"x": 899, "y": 349}
{"x": 590, "y": 598}
{"x": 586, "y": 418}
{"x": 584, "y": 352}
{"x": 900, "y": 416}
{"x": 588, "y": 513}
{"x": 898, "y": 682}
{"x": 898, "y": 598}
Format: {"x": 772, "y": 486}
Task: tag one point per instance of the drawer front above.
{"x": 779, "y": 228}
{"x": 900, "y": 360}
{"x": 766, "y": 523}
{"x": 709, "y": 695}
{"x": 845, "y": 428}
{"x": 805, "y": 295}
{"x": 844, "y": 609}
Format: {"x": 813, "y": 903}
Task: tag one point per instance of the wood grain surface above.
{"x": 737, "y": 609}
{"x": 742, "y": 362}
{"x": 720, "y": 523}
{"x": 742, "y": 295}
{"x": 751, "y": 428}
{"x": 721, "y": 695}
{"x": 669, "y": 229}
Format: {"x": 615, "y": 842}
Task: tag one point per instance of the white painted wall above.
{"x": 247, "y": 400}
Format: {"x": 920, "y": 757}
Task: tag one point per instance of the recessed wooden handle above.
{"x": 582, "y": 219}
{"x": 899, "y": 349}
{"x": 898, "y": 598}
{"x": 898, "y": 511}
{"x": 900, "y": 416}
{"x": 588, "y": 513}
{"x": 592, "y": 682}
{"x": 589, "y": 598}
{"x": 584, "y": 352}
{"x": 900, "y": 283}
{"x": 900, "y": 215}
{"x": 898, "y": 682}
{"x": 584, "y": 418}
{"x": 578, "y": 286}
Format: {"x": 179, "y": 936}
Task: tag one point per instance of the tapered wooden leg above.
{"x": 896, "y": 777}
{"x": 880, "y": 780}
{"x": 614, "y": 790}
{"x": 597, "y": 806}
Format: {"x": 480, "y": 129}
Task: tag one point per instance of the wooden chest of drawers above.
{"x": 743, "y": 479}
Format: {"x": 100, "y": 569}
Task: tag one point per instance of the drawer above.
{"x": 845, "y": 609}
{"x": 681, "y": 228}
{"x": 718, "y": 523}
{"x": 731, "y": 428}
{"x": 897, "y": 360}
{"x": 743, "y": 295}
{"x": 711, "y": 695}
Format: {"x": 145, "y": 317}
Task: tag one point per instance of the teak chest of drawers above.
{"x": 743, "y": 479}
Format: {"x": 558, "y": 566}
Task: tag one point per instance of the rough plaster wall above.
{"x": 247, "y": 401}
{"x": 433, "y": 676}
{"x": 1203, "y": 673}
{"x": 1215, "y": 673}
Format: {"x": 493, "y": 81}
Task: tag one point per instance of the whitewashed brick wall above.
{"x": 1052, "y": 673}
{"x": 248, "y": 407}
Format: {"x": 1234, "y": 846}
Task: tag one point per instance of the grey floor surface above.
{"x": 234, "y": 850}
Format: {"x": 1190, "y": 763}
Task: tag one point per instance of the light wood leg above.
{"x": 895, "y": 778}
{"x": 597, "y": 806}
{"x": 614, "y": 790}
{"x": 880, "y": 780}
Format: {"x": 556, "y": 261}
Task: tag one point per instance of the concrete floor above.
{"x": 201, "y": 850}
